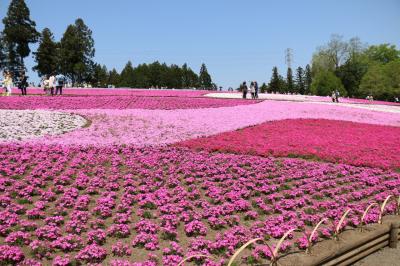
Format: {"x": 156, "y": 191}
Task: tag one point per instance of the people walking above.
{"x": 60, "y": 81}
{"x": 23, "y": 83}
{"x": 333, "y": 96}
{"x": 244, "y": 90}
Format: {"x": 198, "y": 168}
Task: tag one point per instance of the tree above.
{"x": 174, "y": 77}
{"x": 300, "y": 83}
{"x": 351, "y": 74}
{"x": 374, "y": 82}
{"x": 382, "y": 81}
{"x": 336, "y": 50}
{"x": 46, "y": 56}
{"x": 189, "y": 78}
{"x": 355, "y": 48}
{"x": 19, "y": 31}
{"x": 277, "y": 83}
{"x": 100, "y": 76}
{"x": 155, "y": 70}
{"x": 325, "y": 82}
{"x": 383, "y": 53}
{"x": 143, "y": 78}
{"x": 3, "y": 52}
{"x": 336, "y": 53}
{"x": 113, "y": 77}
{"x": 321, "y": 62}
{"x": 289, "y": 81}
{"x": 127, "y": 76}
{"x": 307, "y": 79}
{"x": 392, "y": 71}
{"x": 205, "y": 81}
{"x": 263, "y": 88}
{"x": 76, "y": 52}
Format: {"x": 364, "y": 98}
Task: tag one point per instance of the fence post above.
{"x": 394, "y": 234}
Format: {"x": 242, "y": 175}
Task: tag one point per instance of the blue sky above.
{"x": 238, "y": 40}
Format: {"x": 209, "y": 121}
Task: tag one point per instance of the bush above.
{"x": 325, "y": 82}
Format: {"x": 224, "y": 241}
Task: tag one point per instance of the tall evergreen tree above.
{"x": 77, "y": 52}
{"x": 307, "y": 79}
{"x": 46, "y": 56}
{"x": 300, "y": 84}
{"x": 176, "y": 73}
{"x": 127, "y": 76}
{"x": 100, "y": 76}
{"x": 205, "y": 81}
{"x": 189, "y": 78}
{"x": 276, "y": 83}
{"x": 155, "y": 74}
{"x": 19, "y": 31}
{"x": 3, "y": 52}
{"x": 263, "y": 88}
{"x": 289, "y": 81}
{"x": 142, "y": 76}
{"x": 113, "y": 77}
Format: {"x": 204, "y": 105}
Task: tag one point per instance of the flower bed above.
{"x": 21, "y": 125}
{"x": 115, "y": 102}
{"x": 116, "y": 204}
{"x": 120, "y": 92}
{"x": 160, "y": 127}
{"x": 334, "y": 141}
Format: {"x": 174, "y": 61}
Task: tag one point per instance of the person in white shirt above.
{"x": 52, "y": 83}
{"x": 8, "y": 83}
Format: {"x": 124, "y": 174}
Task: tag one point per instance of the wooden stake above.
{"x": 394, "y": 234}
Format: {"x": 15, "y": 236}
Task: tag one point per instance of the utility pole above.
{"x": 289, "y": 57}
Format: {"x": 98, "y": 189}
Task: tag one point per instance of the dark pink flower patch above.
{"x": 116, "y": 102}
{"x": 120, "y": 92}
{"x": 330, "y": 140}
{"x": 171, "y": 203}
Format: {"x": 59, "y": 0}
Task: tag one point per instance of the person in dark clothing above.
{"x": 252, "y": 90}
{"x": 337, "y": 94}
{"x": 60, "y": 81}
{"x": 244, "y": 88}
{"x": 256, "y": 89}
{"x": 23, "y": 83}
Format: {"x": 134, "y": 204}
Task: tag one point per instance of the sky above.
{"x": 237, "y": 40}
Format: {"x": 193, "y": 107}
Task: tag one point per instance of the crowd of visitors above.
{"x": 335, "y": 96}
{"x": 253, "y": 90}
{"x": 52, "y": 84}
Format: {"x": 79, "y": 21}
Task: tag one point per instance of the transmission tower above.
{"x": 289, "y": 57}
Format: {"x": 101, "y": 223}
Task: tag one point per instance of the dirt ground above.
{"x": 384, "y": 257}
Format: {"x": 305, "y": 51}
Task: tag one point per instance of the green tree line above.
{"x": 154, "y": 75}
{"x": 73, "y": 56}
{"x": 353, "y": 68}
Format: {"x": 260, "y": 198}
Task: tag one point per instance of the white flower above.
{"x": 27, "y": 124}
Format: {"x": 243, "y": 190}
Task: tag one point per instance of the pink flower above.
{"x": 92, "y": 254}
{"x": 11, "y": 255}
